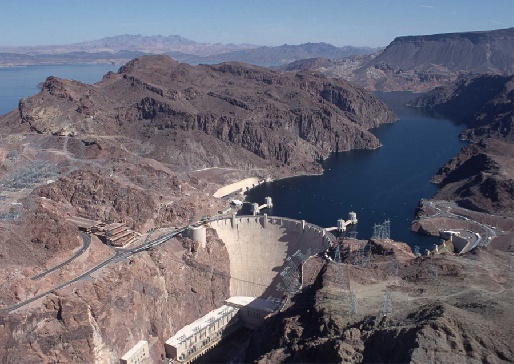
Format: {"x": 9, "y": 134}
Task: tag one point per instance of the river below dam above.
{"x": 386, "y": 183}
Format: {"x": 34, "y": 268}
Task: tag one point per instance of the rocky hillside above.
{"x": 440, "y": 310}
{"x": 480, "y": 177}
{"x": 420, "y": 63}
{"x": 96, "y": 321}
{"x": 475, "y": 52}
{"x": 140, "y": 144}
{"x": 208, "y": 116}
{"x": 149, "y": 146}
{"x": 484, "y": 103}
{"x": 476, "y": 187}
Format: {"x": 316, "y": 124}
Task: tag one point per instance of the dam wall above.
{"x": 258, "y": 247}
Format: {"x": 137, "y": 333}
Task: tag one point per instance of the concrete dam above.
{"x": 261, "y": 248}
{"x": 266, "y": 257}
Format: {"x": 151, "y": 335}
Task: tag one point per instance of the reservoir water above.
{"x": 19, "y": 82}
{"x": 386, "y": 183}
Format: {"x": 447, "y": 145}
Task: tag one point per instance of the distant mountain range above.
{"x": 155, "y": 44}
{"x": 119, "y": 49}
{"x": 420, "y": 63}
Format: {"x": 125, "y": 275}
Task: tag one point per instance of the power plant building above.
{"x": 137, "y": 355}
{"x": 196, "y": 338}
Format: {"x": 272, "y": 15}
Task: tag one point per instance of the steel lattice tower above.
{"x": 387, "y": 305}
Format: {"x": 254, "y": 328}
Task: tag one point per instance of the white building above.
{"x": 137, "y": 355}
{"x": 196, "y": 338}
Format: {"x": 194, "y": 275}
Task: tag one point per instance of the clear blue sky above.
{"x": 264, "y": 22}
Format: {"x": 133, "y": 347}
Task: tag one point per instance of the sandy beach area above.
{"x": 236, "y": 186}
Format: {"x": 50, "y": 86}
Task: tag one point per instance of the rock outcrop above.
{"x": 480, "y": 178}
{"x": 149, "y": 296}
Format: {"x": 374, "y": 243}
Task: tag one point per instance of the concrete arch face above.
{"x": 258, "y": 247}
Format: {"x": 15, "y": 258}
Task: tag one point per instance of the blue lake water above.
{"x": 19, "y": 82}
{"x": 386, "y": 183}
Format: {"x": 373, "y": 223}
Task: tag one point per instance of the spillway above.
{"x": 258, "y": 247}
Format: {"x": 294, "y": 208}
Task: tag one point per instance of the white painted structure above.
{"x": 137, "y": 355}
{"x": 342, "y": 224}
{"x": 195, "y": 339}
{"x": 252, "y": 310}
{"x": 198, "y": 233}
{"x": 256, "y": 208}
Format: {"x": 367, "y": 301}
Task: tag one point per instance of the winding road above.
{"x": 120, "y": 255}
{"x": 444, "y": 209}
{"x": 86, "y": 241}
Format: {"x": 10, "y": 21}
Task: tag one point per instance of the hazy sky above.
{"x": 264, "y": 22}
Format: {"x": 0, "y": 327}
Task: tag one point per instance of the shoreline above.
{"x": 246, "y": 184}
{"x": 239, "y": 186}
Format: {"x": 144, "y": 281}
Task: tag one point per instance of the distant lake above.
{"x": 19, "y": 82}
{"x": 386, "y": 183}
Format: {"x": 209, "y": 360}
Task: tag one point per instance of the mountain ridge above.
{"x": 113, "y": 49}
{"x": 420, "y": 63}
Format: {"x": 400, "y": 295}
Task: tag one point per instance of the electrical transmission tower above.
{"x": 416, "y": 250}
{"x": 376, "y": 231}
{"x": 340, "y": 278}
{"x": 291, "y": 277}
{"x": 337, "y": 255}
{"x": 359, "y": 256}
{"x": 352, "y": 310}
{"x": 387, "y": 305}
{"x": 366, "y": 258}
{"x": 382, "y": 231}
{"x": 386, "y": 229}
{"x": 393, "y": 267}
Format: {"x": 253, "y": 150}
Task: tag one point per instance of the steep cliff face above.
{"x": 476, "y": 52}
{"x": 480, "y": 177}
{"x": 484, "y": 103}
{"x": 102, "y": 198}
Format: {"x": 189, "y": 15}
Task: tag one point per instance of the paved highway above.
{"x": 444, "y": 209}
{"x": 86, "y": 241}
{"x": 120, "y": 255}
